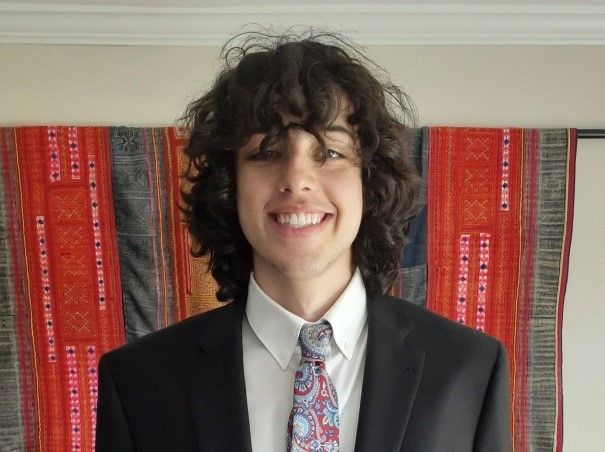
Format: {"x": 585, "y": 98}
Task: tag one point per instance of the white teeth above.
{"x": 300, "y": 220}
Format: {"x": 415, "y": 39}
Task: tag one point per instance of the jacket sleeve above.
{"x": 493, "y": 430}
{"x": 113, "y": 433}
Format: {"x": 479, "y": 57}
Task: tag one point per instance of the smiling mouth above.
{"x": 300, "y": 220}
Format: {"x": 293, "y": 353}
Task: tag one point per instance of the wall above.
{"x": 526, "y": 86}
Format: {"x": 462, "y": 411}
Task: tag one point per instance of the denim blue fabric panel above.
{"x": 412, "y": 282}
{"x": 139, "y": 188}
{"x": 11, "y": 415}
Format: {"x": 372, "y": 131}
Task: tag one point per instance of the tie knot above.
{"x": 314, "y": 340}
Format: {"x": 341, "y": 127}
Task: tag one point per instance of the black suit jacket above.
{"x": 429, "y": 385}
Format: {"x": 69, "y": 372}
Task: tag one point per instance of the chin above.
{"x": 312, "y": 268}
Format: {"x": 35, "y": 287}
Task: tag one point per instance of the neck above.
{"x": 308, "y": 298}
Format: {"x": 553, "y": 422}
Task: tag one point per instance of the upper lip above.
{"x": 299, "y": 209}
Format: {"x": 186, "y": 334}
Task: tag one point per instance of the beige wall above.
{"x": 451, "y": 85}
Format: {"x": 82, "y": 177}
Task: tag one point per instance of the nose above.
{"x": 298, "y": 170}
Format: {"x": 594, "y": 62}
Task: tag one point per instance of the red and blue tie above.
{"x": 314, "y": 421}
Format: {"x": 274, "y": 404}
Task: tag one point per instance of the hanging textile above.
{"x": 61, "y": 280}
{"x": 94, "y": 253}
{"x": 500, "y": 208}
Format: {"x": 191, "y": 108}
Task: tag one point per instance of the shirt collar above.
{"x": 278, "y": 329}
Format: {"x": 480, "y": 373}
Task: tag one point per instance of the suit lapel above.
{"x": 391, "y": 377}
{"x": 218, "y": 391}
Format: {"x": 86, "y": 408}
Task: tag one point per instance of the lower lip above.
{"x": 287, "y": 231}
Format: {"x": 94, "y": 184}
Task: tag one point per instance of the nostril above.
{"x": 289, "y": 189}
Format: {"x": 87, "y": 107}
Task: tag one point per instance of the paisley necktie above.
{"x": 314, "y": 421}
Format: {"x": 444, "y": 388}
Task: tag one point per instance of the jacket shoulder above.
{"x": 177, "y": 339}
{"x": 435, "y": 329}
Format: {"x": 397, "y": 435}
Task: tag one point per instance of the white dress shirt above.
{"x": 272, "y": 356}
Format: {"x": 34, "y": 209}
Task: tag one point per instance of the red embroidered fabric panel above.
{"x": 72, "y": 274}
{"x": 473, "y": 228}
{"x": 500, "y": 207}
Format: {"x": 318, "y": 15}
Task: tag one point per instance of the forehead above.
{"x": 331, "y": 124}
{"x": 338, "y": 121}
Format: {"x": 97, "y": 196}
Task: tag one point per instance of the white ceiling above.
{"x": 212, "y": 22}
{"x": 230, "y": 3}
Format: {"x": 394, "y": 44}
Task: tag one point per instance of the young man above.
{"x": 302, "y": 187}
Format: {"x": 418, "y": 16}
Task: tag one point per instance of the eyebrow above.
{"x": 327, "y": 128}
{"x": 336, "y": 128}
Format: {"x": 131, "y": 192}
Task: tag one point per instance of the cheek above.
{"x": 357, "y": 189}
{"x": 250, "y": 196}
{"x": 359, "y": 203}
{"x": 241, "y": 197}
{"x": 352, "y": 197}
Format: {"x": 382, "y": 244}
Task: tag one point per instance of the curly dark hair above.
{"x": 301, "y": 74}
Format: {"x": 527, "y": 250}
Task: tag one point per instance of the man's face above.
{"x": 301, "y": 216}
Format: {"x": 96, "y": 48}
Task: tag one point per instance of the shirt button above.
{"x": 283, "y": 355}
{"x": 347, "y": 346}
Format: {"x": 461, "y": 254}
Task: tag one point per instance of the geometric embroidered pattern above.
{"x": 46, "y": 292}
{"x": 66, "y": 205}
{"x": 96, "y": 229}
{"x": 77, "y": 323}
{"x": 93, "y": 388}
{"x": 314, "y": 420}
{"x": 463, "y": 278}
{"x": 73, "y": 265}
{"x": 74, "y": 293}
{"x": 53, "y": 154}
{"x": 483, "y": 274}
{"x": 476, "y": 180}
{"x": 74, "y": 153}
{"x": 477, "y": 148}
{"x": 504, "y": 202}
{"x": 74, "y": 398}
{"x": 66, "y": 234}
{"x": 475, "y": 211}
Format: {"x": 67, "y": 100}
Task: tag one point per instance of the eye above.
{"x": 333, "y": 154}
